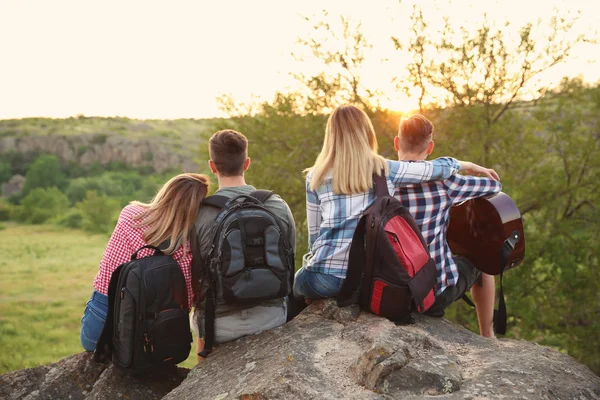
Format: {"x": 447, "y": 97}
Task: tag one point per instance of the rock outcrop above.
{"x": 13, "y": 186}
{"x": 332, "y": 353}
{"x": 80, "y": 377}
{"x": 159, "y": 154}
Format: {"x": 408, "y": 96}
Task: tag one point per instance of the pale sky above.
{"x": 171, "y": 59}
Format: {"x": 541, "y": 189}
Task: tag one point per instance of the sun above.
{"x": 400, "y": 103}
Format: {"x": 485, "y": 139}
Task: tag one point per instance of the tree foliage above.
{"x": 44, "y": 172}
{"x": 41, "y": 205}
{"x": 5, "y": 171}
{"x": 98, "y": 212}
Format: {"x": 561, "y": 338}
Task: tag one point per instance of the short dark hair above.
{"x": 228, "y": 150}
{"x": 415, "y": 133}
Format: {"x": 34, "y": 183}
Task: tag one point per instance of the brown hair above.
{"x": 415, "y": 133}
{"x": 349, "y": 152}
{"x": 173, "y": 211}
{"x": 228, "y": 150}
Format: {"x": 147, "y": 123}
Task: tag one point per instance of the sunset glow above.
{"x": 171, "y": 60}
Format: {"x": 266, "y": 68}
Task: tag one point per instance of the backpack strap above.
{"x": 500, "y": 316}
{"x": 262, "y": 195}
{"x": 197, "y": 267}
{"x": 209, "y": 323}
{"x": 350, "y": 290}
{"x": 381, "y": 188}
{"x": 215, "y": 200}
{"x": 105, "y": 342}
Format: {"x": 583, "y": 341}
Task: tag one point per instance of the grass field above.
{"x": 46, "y": 276}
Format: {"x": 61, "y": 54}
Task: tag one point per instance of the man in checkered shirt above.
{"x": 430, "y": 203}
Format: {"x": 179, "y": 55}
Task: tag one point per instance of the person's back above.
{"x": 430, "y": 204}
{"x": 228, "y": 151}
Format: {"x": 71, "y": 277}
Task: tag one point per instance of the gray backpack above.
{"x": 251, "y": 259}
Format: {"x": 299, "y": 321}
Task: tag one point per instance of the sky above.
{"x": 172, "y": 59}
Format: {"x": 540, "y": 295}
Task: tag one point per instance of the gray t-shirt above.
{"x": 205, "y": 225}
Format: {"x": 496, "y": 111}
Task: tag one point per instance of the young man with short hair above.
{"x": 429, "y": 203}
{"x": 228, "y": 161}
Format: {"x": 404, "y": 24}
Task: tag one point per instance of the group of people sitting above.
{"x": 339, "y": 188}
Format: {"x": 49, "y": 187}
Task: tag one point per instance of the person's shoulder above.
{"x": 130, "y": 211}
{"x": 279, "y": 206}
{"x": 394, "y": 166}
{"x": 207, "y": 215}
{"x": 276, "y": 201}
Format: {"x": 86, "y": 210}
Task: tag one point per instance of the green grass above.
{"x": 46, "y": 276}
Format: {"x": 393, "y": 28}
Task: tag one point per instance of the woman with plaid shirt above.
{"x": 339, "y": 188}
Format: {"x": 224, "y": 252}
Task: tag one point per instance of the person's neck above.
{"x": 229, "y": 181}
{"x": 412, "y": 156}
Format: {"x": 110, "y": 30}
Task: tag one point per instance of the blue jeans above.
{"x": 315, "y": 285}
{"x": 93, "y": 320}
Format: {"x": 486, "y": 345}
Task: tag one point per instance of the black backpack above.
{"x": 251, "y": 259}
{"x": 147, "y": 324}
{"x": 390, "y": 272}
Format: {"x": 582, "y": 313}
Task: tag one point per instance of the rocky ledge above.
{"x": 332, "y": 353}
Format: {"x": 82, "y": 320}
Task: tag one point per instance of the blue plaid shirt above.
{"x": 429, "y": 203}
{"x": 332, "y": 218}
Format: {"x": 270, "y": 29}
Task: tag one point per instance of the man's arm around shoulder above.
{"x": 461, "y": 188}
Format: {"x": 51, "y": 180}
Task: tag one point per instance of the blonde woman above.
{"x": 169, "y": 216}
{"x": 339, "y": 188}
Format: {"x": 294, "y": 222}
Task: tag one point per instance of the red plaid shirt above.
{"x": 125, "y": 240}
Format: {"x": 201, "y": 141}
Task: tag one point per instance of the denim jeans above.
{"x": 93, "y": 320}
{"x": 315, "y": 285}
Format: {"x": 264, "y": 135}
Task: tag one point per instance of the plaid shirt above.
{"x": 332, "y": 218}
{"x": 429, "y": 203}
{"x": 125, "y": 240}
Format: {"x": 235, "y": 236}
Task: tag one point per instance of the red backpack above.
{"x": 390, "y": 272}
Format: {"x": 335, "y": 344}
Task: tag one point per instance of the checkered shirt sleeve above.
{"x": 313, "y": 214}
{"x": 461, "y": 188}
{"x": 406, "y": 172}
{"x": 124, "y": 241}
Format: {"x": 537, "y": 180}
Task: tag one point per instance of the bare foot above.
{"x": 308, "y": 301}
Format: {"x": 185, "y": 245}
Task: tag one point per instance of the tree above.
{"x": 342, "y": 51}
{"x": 41, "y": 205}
{"x": 5, "y": 171}
{"x": 44, "y": 172}
{"x": 482, "y": 71}
{"x": 98, "y": 212}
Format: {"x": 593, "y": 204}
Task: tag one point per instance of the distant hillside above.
{"x": 159, "y": 145}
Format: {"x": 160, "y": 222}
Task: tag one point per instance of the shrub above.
{"x": 6, "y": 171}
{"x": 43, "y": 173}
{"x": 40, "y": 205}
{"x": 73, "y": 218}
{"x": 5, "y": 209}
{"x": 98, "y": 212}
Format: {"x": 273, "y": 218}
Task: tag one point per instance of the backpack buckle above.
{"x": 255, "y": 242}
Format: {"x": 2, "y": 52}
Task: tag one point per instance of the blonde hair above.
{"x": 173, "y": 211}
{"x": 349, "y": 152}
